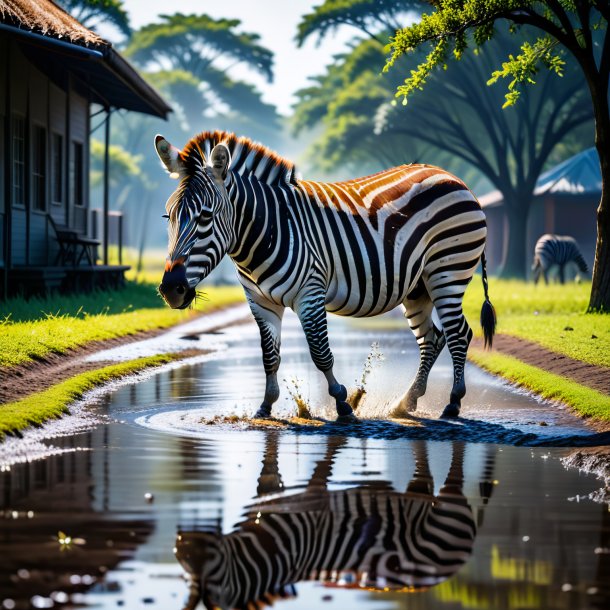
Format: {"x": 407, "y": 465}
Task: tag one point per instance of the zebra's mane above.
{"x": 247, "y": 157}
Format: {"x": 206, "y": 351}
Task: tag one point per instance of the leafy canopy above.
{"x": 457, "y": 24}
{"x": 92, "y": 12}
{"x": 195, "y": 42}
{"x": 369, "y": 16}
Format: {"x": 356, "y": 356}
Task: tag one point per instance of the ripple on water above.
{"x": 198, "y": 423}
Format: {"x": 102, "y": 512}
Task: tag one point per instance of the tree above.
{"x": 509, "y": 147}
{"x": 373, "y": 17}
{"x": 93, "y": 12}
{"x": 579, "y": 27}
{"x": 202, "y": 50}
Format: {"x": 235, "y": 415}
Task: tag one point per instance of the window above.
{"x": 39, "y": 169}
{"x": 18, "y": 152}
{"x": 57, "y": 168}
{"x": 78, "y": 175}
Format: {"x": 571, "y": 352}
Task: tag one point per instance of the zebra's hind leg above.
{"x": 312, "y": 315}
{"x": 431, "y": 340}
{"x": 459, "y": 335}
{"x": 269, "y": 320}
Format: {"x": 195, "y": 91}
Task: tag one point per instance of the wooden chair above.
{"x": 73, "y": 246}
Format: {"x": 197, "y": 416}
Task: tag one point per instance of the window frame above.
{"x": 78, "y": 173}
{"x": 17, "y": 162}
{"x": 57, "y": 173}
{"x": 39, "y": 142}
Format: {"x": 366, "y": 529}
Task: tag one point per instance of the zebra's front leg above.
{"x": 269, "y": 320}
{"x": 312, "y": 315}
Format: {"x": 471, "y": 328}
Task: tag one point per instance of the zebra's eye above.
{"x": 206, "y": 213}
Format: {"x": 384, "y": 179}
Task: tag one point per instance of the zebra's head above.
{"x": 199, "y": 218}
{"x": 201, "y": 554}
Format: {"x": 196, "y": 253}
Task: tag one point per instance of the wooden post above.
{"x": 106, "y": 183}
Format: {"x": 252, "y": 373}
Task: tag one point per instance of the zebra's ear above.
{"x": 170, "y": 157}
{"x": 220, "y": 159}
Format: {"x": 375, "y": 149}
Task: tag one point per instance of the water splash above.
{"x": 374, "y": 358}
{"x": 293, "y": 385}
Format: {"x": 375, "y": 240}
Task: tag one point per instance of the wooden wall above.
{"x": 57, "y": 107}
{"x": 3, "y": 153}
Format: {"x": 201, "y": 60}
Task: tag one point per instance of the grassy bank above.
{"x": 553, "y": 316}
{"x": 40, "y": 407}
{"x": 32, "y": 329}
{"x": 585, "y": 401}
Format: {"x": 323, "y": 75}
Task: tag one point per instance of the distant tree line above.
{"x": 456, "y": 120}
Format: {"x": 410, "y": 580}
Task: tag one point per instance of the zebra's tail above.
{"x": 488, "y": 313}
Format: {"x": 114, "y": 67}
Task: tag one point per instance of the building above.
{"x": 52, "y": 70}
{"x": 565, "y": 202}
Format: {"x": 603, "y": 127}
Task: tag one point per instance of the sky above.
{"x": 275, "y": 21}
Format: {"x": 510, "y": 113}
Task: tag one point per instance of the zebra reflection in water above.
{"x": 370, "y": 537}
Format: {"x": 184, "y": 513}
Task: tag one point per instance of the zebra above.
{"x": 556, "y": 250}
{"x": 411, "y": 235}
{"x": 370, "y": 537}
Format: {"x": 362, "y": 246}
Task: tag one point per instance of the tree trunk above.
{"x": 600, "y": 285}
{"x": 515, "y": 258}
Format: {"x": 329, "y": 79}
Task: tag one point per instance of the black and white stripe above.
{"x": 369, "y": 537}
{"x": 412, "y": 235}
{"x": 556, "y": 250}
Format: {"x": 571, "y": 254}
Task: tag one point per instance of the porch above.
{"x": 42, "y": 280}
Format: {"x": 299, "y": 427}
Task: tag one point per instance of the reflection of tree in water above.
{"x": 42, "y": 498}
{"x": 370, "y": 537}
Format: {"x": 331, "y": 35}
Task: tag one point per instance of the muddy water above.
{"x": 383, "y": 515}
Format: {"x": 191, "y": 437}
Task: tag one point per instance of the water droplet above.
{"x": 8, "y": 603}
{"x": 149, "y": 497}
{"x": 525, "y": 538}
{"x": 42, "y": 602}
{"x": 566, "y": 587}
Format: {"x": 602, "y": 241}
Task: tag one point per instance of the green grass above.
{"x": 31, "y": 330}
{"x": 53, "y": 403}
{"x": 586, "y": 402}
{"x": 545, "y": 314}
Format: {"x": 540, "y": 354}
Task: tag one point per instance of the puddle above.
{"x": 384, "y": 515}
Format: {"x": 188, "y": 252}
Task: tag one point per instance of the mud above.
{"x": 595, "y": 377}
{"x": 92, "y": 506}
{"x": 20, "y": 381}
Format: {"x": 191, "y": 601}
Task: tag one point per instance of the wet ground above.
{"x": 478, "y": 513}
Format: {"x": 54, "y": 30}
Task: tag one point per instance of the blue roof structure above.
{"x": 578, "y": 175}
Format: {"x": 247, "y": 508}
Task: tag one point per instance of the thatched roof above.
{"x": 54, "y": 39}
{"x": 46, "y": 18}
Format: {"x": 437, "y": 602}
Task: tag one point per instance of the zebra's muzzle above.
{"x": 175, "y": 289}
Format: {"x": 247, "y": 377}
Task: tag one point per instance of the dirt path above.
{"x": 18, "y": 382}
{"x": 595, "y": 377}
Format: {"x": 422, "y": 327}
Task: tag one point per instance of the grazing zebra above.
{"x": 369, "y": 537}
{"x": 411, "y": 235}
{"x": 556, "y": 250}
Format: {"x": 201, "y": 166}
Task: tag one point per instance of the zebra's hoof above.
{"x": 401, "y": 413}
{"x": 344, "y": 408}
{"x": 350, "y": 418}
{"x": 451, "y": 410}
{"x": 264, "y": 412}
